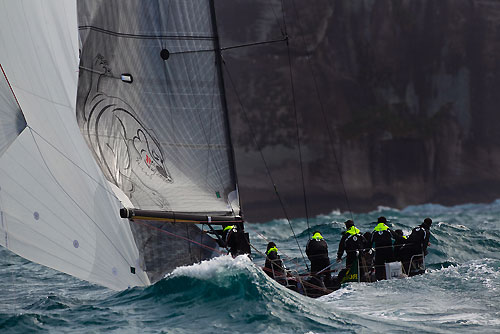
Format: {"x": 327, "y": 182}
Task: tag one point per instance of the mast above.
{"x": 219, "y": 62}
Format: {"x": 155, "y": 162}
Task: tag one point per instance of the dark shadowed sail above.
{"x": 151, "y": 108}
{"x": 12, "y": 120}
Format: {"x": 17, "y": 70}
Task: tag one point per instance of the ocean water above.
{"x": 460, "y": 293}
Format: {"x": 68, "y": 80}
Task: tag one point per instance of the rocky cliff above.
{"x": 395, "y": 103}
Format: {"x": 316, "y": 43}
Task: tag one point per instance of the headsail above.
{"x": 56, "y": 208}
{"x": 151, "y": 108}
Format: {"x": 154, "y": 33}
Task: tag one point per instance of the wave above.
{"x": 462, "y": 233}
{"x": 223, "y": 291}
{"x": 459, "y": 292}
{"x": 461, "y": 298}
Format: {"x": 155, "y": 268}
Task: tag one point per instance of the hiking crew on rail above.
{"x": 317, "y": 252}
{"x": 352, "y": 242}
{"x": 382, "y": 242}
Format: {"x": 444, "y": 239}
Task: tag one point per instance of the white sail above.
{"x": 11, "y": 118}
{"x": 56, "y": 206}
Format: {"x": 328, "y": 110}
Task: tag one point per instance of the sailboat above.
{"x": 115, "y": 153}
{"x": 116, "y": 160}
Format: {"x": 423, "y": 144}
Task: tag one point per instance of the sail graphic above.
{"x": 56, "y": 208}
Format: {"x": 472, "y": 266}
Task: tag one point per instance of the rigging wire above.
{"x": 229, "y": 47}
{"x": 294, "y": 273}
{"x": 325, "y": 118}
{"x": 252, "y": 131}
{"x": 177, "y": 236}
{"x": 276, "y": 17}
{"x": 296, "y": 124}
{"x": 287, "y": 257}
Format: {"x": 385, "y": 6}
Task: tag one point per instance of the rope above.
{"x": 329, "y": 131}
{"x": 179, "y": 236}
{"x": 286, "y": 257}
{"x": 297, "y": 126}
{"x": 263, "y": 159}
{"x": 288, "y": 273}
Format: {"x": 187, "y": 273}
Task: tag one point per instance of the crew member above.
{"x": 274, "y": 265}
{"x": 416, "y": 245}
{"x": 382, "y": 242}
{"x": 352, "y": 242}
{"x": 317, "y": 253}
{"x": 233, "y": 240}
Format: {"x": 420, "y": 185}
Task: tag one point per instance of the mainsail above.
{"x": 150, "y": 107}
{"x": 159, "y": 134}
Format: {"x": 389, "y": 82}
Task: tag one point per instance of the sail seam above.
{"x": 74, "y": 163}
{"x": 49, "y": 209}
{"x": 21, "y": 204}
{"x": 42, "y": 98}
{"x": 81, "y": 209}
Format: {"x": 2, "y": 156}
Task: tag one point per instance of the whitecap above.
{"x": 215, "y": 267}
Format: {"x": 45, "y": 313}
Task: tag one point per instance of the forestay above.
{"x": 56, "y": 206}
